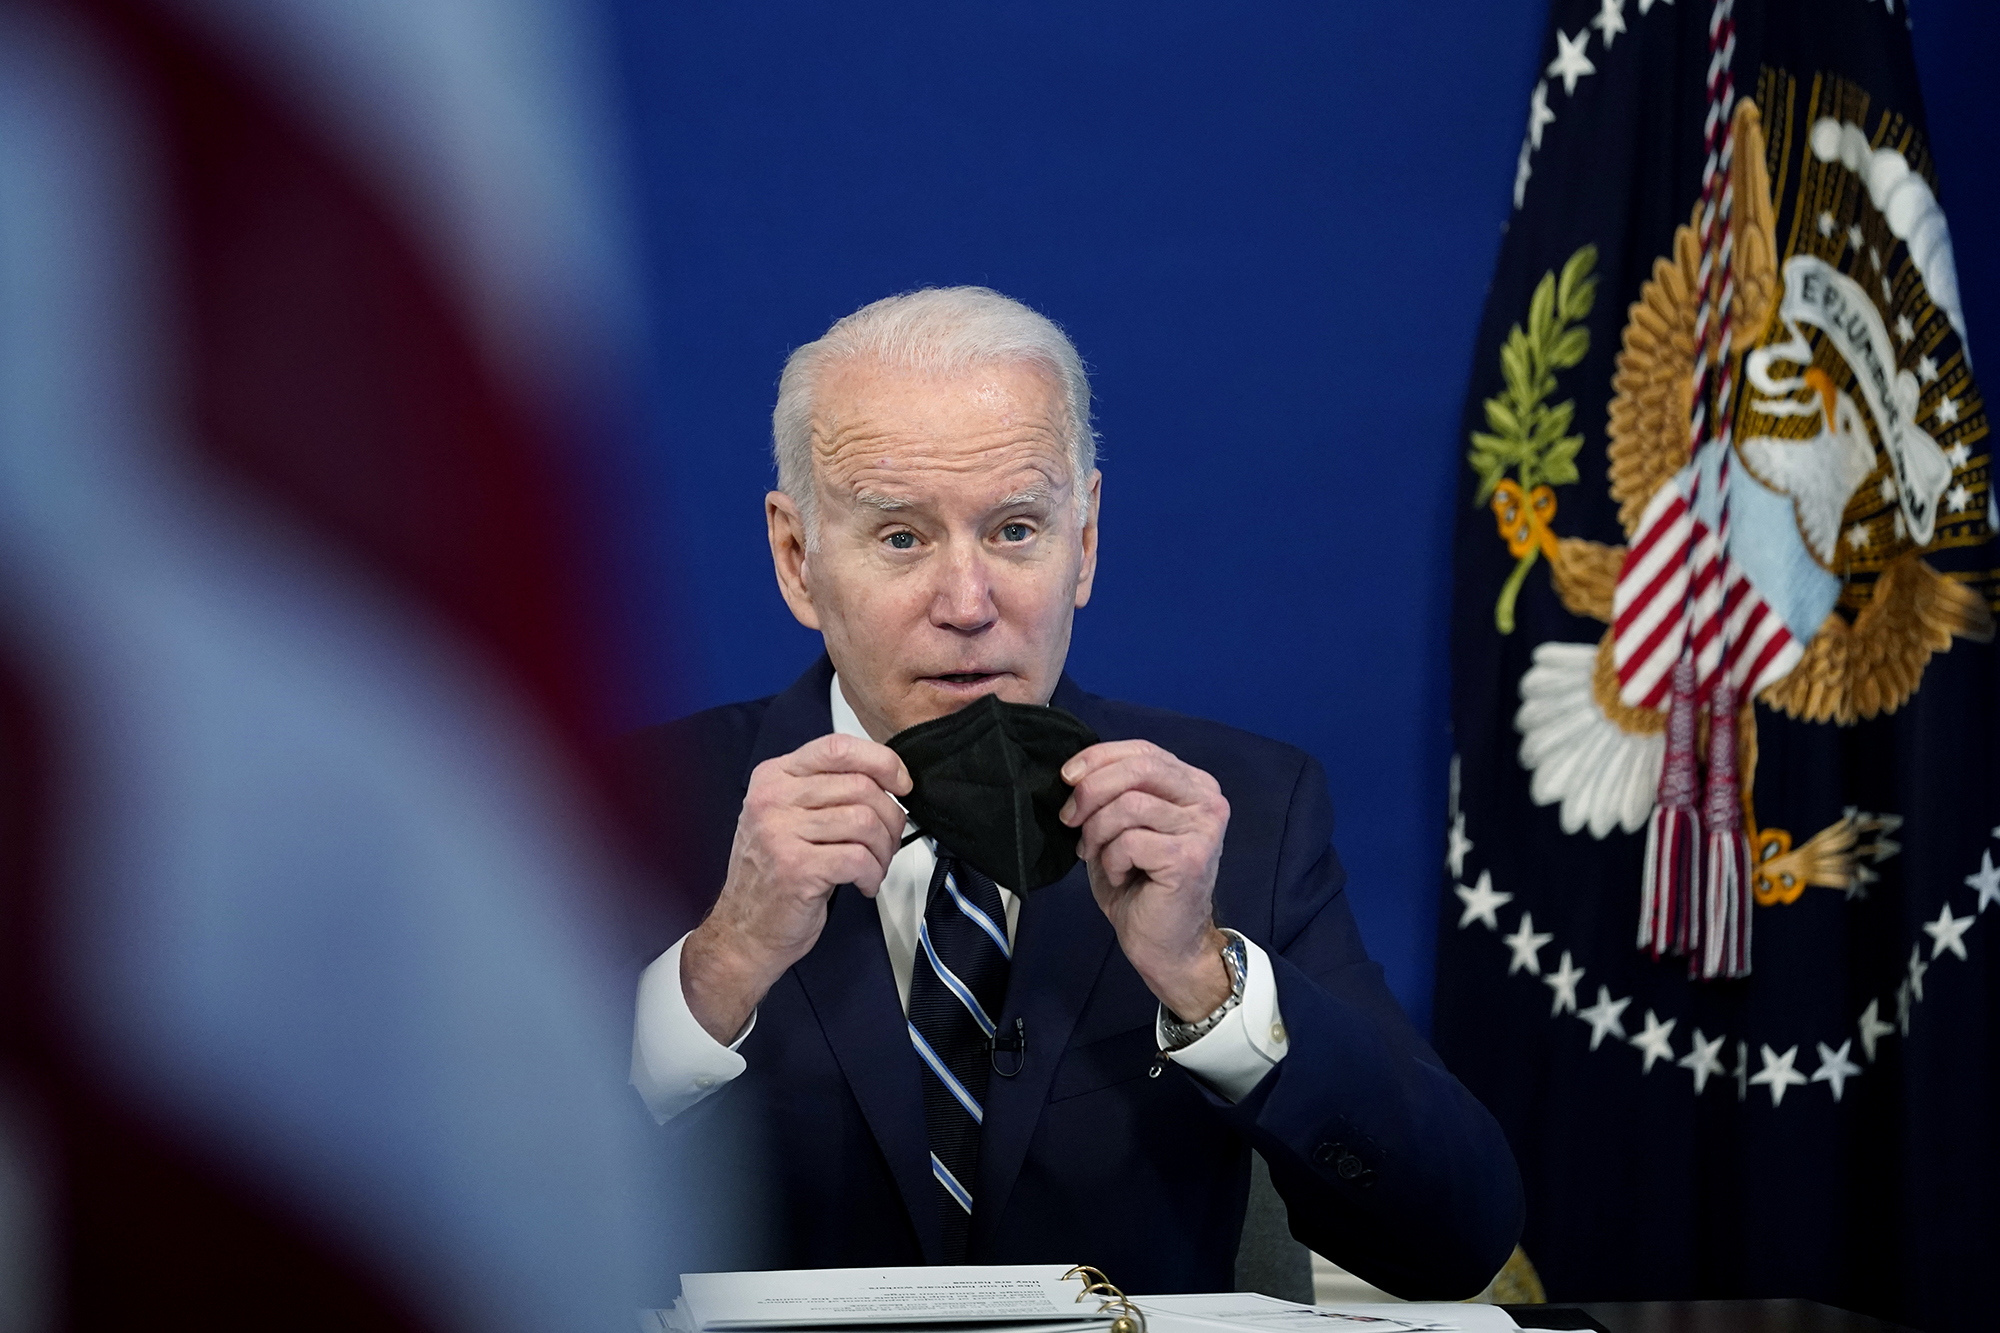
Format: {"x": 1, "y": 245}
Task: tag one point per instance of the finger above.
{"x": 1136, "y": 853}
{"x": 1131, "y": 810}
{"x": 849, "y": 754}
{"x": 845, "y": 823}
{"x": 852, "y": 863}
{"x": 1157, "y": 772}
{"x": 822, "y": 791}
{"x": 1093, "y": 757}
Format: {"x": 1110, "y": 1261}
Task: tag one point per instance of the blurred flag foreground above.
{"x": 1717, "y": 947}
{"x": 309, "y": 312}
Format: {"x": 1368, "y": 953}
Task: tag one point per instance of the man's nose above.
{"x": 963, "y": 599}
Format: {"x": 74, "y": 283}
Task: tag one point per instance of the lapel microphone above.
{"x": 1016, "y": 1046}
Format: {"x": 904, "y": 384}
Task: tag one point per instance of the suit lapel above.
{"x": 1060, "y": 943}
{"x": 803, "y": 712}
{"x": 1061, "y": 940}
{"x": 847, "y": 981}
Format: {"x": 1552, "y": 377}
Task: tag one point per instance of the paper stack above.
{"x": 1024, "y": 1298}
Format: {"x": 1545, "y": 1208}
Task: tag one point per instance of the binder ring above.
{"x": 1129, "y": 1319}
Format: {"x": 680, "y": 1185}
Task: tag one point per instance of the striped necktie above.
{"x": 956, "y": 989}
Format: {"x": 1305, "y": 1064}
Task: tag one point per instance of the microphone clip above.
{"x": 1015, "y": 1045}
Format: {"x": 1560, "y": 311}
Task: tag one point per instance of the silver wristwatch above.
{"x": 1236, "y": 959}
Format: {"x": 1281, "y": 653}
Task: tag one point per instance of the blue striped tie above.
{"x": 956, "y": 990}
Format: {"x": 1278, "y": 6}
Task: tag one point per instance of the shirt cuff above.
{"x": 675, "y": 1063}
{"x": 1234, "y": 1055}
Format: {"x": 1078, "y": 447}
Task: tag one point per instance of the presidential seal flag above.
{"x": 1725, "y": 802}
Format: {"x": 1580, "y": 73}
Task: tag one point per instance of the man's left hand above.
{"x": 1152, "y": 831}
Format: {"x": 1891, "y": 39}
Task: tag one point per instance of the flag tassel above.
{"x": 1673, "y": 834}
{"x": 1726, "y": 881}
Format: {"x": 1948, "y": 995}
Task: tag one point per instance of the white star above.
{"x": 1947, "y": 411}
{"x": 1527, "y": 946}
{"x": 1610, "y": 20}
{"x": 1456, "y": 846}
{"x": 1888, "y": 292}
{"x": 1957, "y": 499}
{"x": 1571, "y": 63}
{"x": 1926, "y": 368}
{"x": 1607, "y": 1015}
{"x": 1918, "y": 967}
{"x": 1481, "y": 902}
{"x": 1875, "y": 257}
{"x": 1986, "y": 880}
{"x": 1778, "y": 1074}
{"x": 1655, "y": 1041}
{"x": 1873, "y": 1028}
{"x": 1539, "y": 114}
{"x": 1958, "y": 455}
{"x": 1948, "y": 932}
{"x": 1857, "y": 536}
{"x": 1854, "y": 236}
{"x": 1563, "y": 982}
{"x": 1903, "y": 1006}
{"x": 1826, "y": 224}
{"x": 1521, "y": 173}
{"x": 1887, "y": 490}
{"x": 1904, "y": 329}
{"x": 1701, "y": 1060}
{"x": 1835, "y": 1067}
{"x": 1742, "y": 1070}
{"x": 1645, "y": 5}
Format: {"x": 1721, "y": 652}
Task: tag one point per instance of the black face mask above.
{"x": 988, "y": 786}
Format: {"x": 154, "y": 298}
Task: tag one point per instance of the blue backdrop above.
{"x": 1268, "y": 227}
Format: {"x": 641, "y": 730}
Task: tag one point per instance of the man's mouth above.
{"x": 963, "y": 678}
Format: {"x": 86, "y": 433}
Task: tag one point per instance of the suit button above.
{"x": 1348, "y": 1166}
{"x": 1326, "y": 1152}
{"x": 1278, "y": 1033}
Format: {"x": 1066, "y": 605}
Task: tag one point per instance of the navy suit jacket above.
{"x": 1088, "y": 1155}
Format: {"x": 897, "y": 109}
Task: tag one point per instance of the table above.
{"x": 1769, "y": 1316}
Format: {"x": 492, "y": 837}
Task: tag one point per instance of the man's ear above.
{"x": 788, "y": 556}
{"x": 1088, "y": 572}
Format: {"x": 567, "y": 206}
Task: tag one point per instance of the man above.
{"x": 936, "y": 521}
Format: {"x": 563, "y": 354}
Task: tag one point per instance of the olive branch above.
{"x": 1526, "y": 432}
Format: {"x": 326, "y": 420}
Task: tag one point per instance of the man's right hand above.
{"x": 818, "y": 817}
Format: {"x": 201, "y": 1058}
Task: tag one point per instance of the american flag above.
{"x": 311, "y": 312}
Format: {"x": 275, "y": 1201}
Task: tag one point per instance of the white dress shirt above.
{"x": 675, "y": 1063}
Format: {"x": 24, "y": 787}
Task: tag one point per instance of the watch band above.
{"x": 1236, "y": 961}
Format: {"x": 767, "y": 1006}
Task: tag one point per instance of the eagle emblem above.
{"x": 1858, "y": 445}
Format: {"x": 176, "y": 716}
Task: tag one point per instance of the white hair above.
{"x": 932, "y": 331}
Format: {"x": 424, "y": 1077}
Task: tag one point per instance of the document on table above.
{"x": 1024, "y": 1298}
{"x": 1244, "y": 1311}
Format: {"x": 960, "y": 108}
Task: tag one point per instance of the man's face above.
{"x": 951, "y": 557}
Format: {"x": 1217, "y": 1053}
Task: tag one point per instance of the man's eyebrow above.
{"x": 1038, "y": 494}
{"x": 888, "y": 504}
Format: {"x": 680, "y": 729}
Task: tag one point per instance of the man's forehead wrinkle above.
{"x": 1029, "y": 483}
{"x": 848, "y": 457}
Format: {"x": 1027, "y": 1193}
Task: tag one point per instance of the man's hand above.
{"x": 1152, "y": 831}
{"x": 818, "y": 817}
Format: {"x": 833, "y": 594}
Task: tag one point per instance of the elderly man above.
{"x": 929, "y": 1067}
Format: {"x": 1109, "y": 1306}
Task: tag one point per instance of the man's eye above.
{"x": 902, "y": 541}
{"x": 1015, "y": 532}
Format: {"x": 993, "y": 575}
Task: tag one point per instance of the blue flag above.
{"x": 1725, "y": 815}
